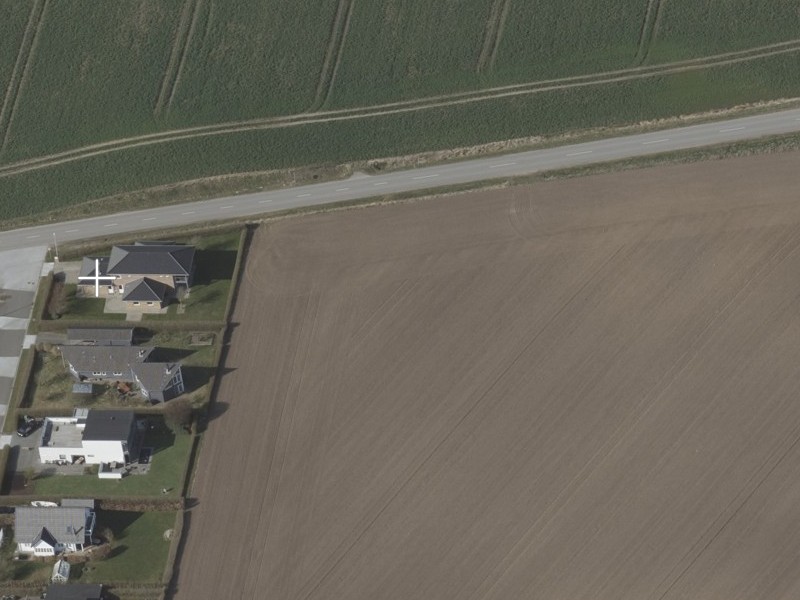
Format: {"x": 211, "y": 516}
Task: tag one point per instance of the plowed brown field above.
{"x": 581, "y": 389}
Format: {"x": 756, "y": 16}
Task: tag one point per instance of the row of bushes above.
{"x": 21, "y": 384}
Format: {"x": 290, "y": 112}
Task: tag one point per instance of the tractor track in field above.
{"x": 649, "y": 30}
{"x": 177, "y": 57}
{"x": 400, "y": 107}
{"x": 333, "y": 53}
{"x": 21, "y": 69}
{"x": 494, "y": 34}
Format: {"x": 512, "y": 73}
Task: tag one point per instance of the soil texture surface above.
{"x": 578, "y": 389}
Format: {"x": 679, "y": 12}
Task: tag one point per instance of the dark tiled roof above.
{"x": 116, "y": 334}
{"x": 87, "y": 266}
{"x": 66, "y": 525}
{"x": 108, "y": 425}
{"x": 145, "y": 290}
{"x": 107, "y": 359}
{"x": 156, "y": 376}
{"x": 45, "y": 536}
{"x": 150, "y": 259}
{"x": 75, "y": 591}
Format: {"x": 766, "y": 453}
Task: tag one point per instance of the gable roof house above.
{"x": 50, "y": 531}
{"x": 158, "y": 381}
{"x": 146, "y": 274}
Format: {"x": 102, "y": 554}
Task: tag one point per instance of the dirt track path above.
{"x": 393, "y": 108}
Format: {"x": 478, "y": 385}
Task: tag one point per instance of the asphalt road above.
{"x": 364, "y": 186}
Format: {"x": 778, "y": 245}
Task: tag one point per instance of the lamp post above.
{"x": 55, "y": 246}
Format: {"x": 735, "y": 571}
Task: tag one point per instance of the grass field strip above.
{"x": 333, "y": 53}
{"x": 393, "y": 108}
{"x": 177, "y": 59}
{"x": 649, "y": 30}
{"x": 494, "y": 33}
{"x": 21, "y": 67}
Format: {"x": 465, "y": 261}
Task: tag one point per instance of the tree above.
{"x": 178, "y": 415}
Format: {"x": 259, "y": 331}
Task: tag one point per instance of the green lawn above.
{"x": 85, "y": 308}
{"x": 170, "y": 456}
{"x": 139, "y": 550}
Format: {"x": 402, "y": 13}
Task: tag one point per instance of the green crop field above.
{"x": 84, "y": 83}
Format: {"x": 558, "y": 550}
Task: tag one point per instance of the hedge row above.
{"x": 21, "y": 383}
{"x": 177, "y": 534}
{"x": 61, "y": 325}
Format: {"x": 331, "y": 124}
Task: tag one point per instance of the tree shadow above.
{"x": 213, "y": 265}
{"x": 161, "y": 354}
{"x": 116, "y": 551}
{"x": 117, "y": 521}
{"x": 216, "y": 410}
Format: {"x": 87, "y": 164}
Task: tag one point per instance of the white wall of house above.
{"x": 42, "y": 548}
{"x": 50, "y": 454}
{"x": 97, "y": 452}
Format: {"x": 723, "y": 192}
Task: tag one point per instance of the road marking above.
{"x": 72, "y": 231}
{"x": 188, "y": 212}
{"x": 111, "y": 225}
{"x": 264, "y": 201}
{"x": 226, "y": 207}
{"x": 655, "y": 141}
{"x": 30, "y": 237}
{"x": 303, "y": 195}
{"x": 579, "y": 153}
{"x": 149, "y": 219}
{"x": 426, "y": 176}
{"x": 503, "y": 165}
{"x": 731, "y": 129}
{"x": 381, "y": 183}
{"x": 342, "y": 189}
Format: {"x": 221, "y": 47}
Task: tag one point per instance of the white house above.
{"x": 98, "y": 436}
{"x": 51, "y": 531}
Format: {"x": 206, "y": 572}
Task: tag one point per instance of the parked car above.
{"x": 27, "y": 427}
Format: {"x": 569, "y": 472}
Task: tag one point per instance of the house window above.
{"x": 117, "y": 373}
{"x": 136, "y": 303}
{"x": 98, "y": 373}
{"x": 149, "y": 304}
{"x": 62, "y": 456}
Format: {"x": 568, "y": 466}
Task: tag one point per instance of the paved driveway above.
{"x": 19, "y": 276}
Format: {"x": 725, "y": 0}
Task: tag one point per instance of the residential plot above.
{"x": 578, "y": 389}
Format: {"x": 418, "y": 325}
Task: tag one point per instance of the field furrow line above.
{"x": 733, "y": 508}
{"x": 498, "y": 37}
{"x": 184, "y": 53}
{"x": 394, "y": 108}
{"x": 174, "y": 57}
{"x": 427, "y": 455}
{"x": 333, "y": 53}
{"x": 699, "y": 342}
{"x": 286, "y": 421}
{"x": 489, "y": 36}
{"x": 25, "y": 75}
{"x": 13, "y": 82}
{"x": 649, "y": 28}
{"x": 20, "y": 65}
